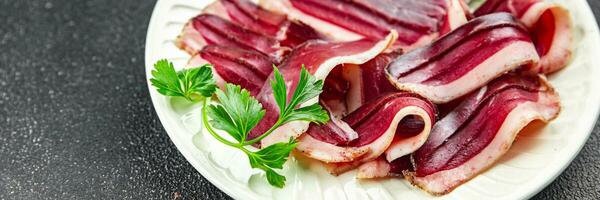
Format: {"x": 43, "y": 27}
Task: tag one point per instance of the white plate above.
{"x": 538, "y": 156}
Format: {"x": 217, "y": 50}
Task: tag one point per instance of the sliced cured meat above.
{"x": 257, "y": 19}
{"x": 242, "y": 24}
{"x": 464, "y": 59}
{"x": 381, "y": 126}
{"x": 368, "y": 81}
{"x": 208, "y": 29}
{"x": 550, "y": 25}
{"x": 480, "y": 130}
{"x": 380, "y": 168}
{"x": 246, "y": 68}
{"x": 350, "y": 86}
{"x": 319, "y": 58}
{"x": 330, "y": 30}
{"x": 417, "y": 22}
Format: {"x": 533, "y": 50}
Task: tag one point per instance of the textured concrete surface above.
{"x": 76, "y": 121}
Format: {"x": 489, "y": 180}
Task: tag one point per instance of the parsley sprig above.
{"x": 237, "y": 112}
{"x": 188, "y": 83}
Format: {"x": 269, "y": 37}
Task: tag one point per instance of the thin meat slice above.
{"x": 319, "y": 58}
{"x": 381, "y": 168}
{"x": 550, "y": 26}
{"x": 368, "y": 81}
{"x": 377, "y": 124}
{"x": 208, "y": 29}
{"x": 417, "y": 22}
{"x": 247, "y": 68}
{"x": 257, "y": 19}
{"x": 244, "y": 25}
{"x": 480, "y": 130}
{"x": 464, "y": 59}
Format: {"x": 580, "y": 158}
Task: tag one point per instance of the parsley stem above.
{"x": 275, "y": 126}
{"x": 212, "y": 131}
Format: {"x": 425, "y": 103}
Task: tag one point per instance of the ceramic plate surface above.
{"x": 540, "y": 153}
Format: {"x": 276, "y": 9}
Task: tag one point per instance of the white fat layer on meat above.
{"x": 328, "y": 153}
{"x": 456, "y": 17}
{"x": 377, "y": 168}
{"x": 190, "y": 40}
{"x": 295, "y": 129}
{"x": 405, "y": 146}
{"x": 545, "y": 109}
{"x": 218, "y": 9}
{"x": 332, "y": 31}
{"x": 561, "y": 48}
{"x": 354, "y": 98}
{"x": 456, "y": 14}
{"x": 510, "y": 57}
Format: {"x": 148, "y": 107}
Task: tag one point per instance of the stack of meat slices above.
{"x": 424, "y": 90}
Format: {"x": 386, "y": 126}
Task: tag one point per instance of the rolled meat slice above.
{"x": 368, "y": 81}
{"x": 480, "y": 130}
{"x": 464, "y": 59}
{"x": 417, "y": 22}
{"x": 381, "y": 126}
{"x": 319, "y": 58}
{"x": 550, "y": 25}
{"x": 374, "y": 103}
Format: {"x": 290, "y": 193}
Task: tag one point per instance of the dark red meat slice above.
{"x": 480, "y": 130}
{"x": 464, "y": 59}
{"x": 257, "y": 19}
{"x": 218, "y": 31}
{"x": 246, "y": 68}
{"x": 417, "y": 22}
{"x": 550, "y": 26}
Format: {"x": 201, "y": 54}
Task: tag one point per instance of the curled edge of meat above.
{"x": 330, "y": 153}
{"x": 545, "y": 109}
{"x": 560, "y": 53}
{"x": 295, "y": 129}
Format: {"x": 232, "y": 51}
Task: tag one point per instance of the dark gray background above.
{"x": 76, "y": 121}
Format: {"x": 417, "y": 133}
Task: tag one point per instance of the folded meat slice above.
{"x": 464, "y": 59}
{"x": 368, "y": 81}
{"x": 319, "y": 58}
{"x": 247, "y": 68}
{"x": 480, "y": 130}
{"x": 550, "y": 25}
{"x": 384, "y": 125}
{"x": 417, "y": 22}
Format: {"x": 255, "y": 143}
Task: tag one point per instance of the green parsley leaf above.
{"x": 308, "y": 87}
{"x": 237, "y": 113}
{"x": 187, "y": 83}
{"x": 272, "y": 157}
{"x": 313, "y": 113}
{"x": 279, "y": 89}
